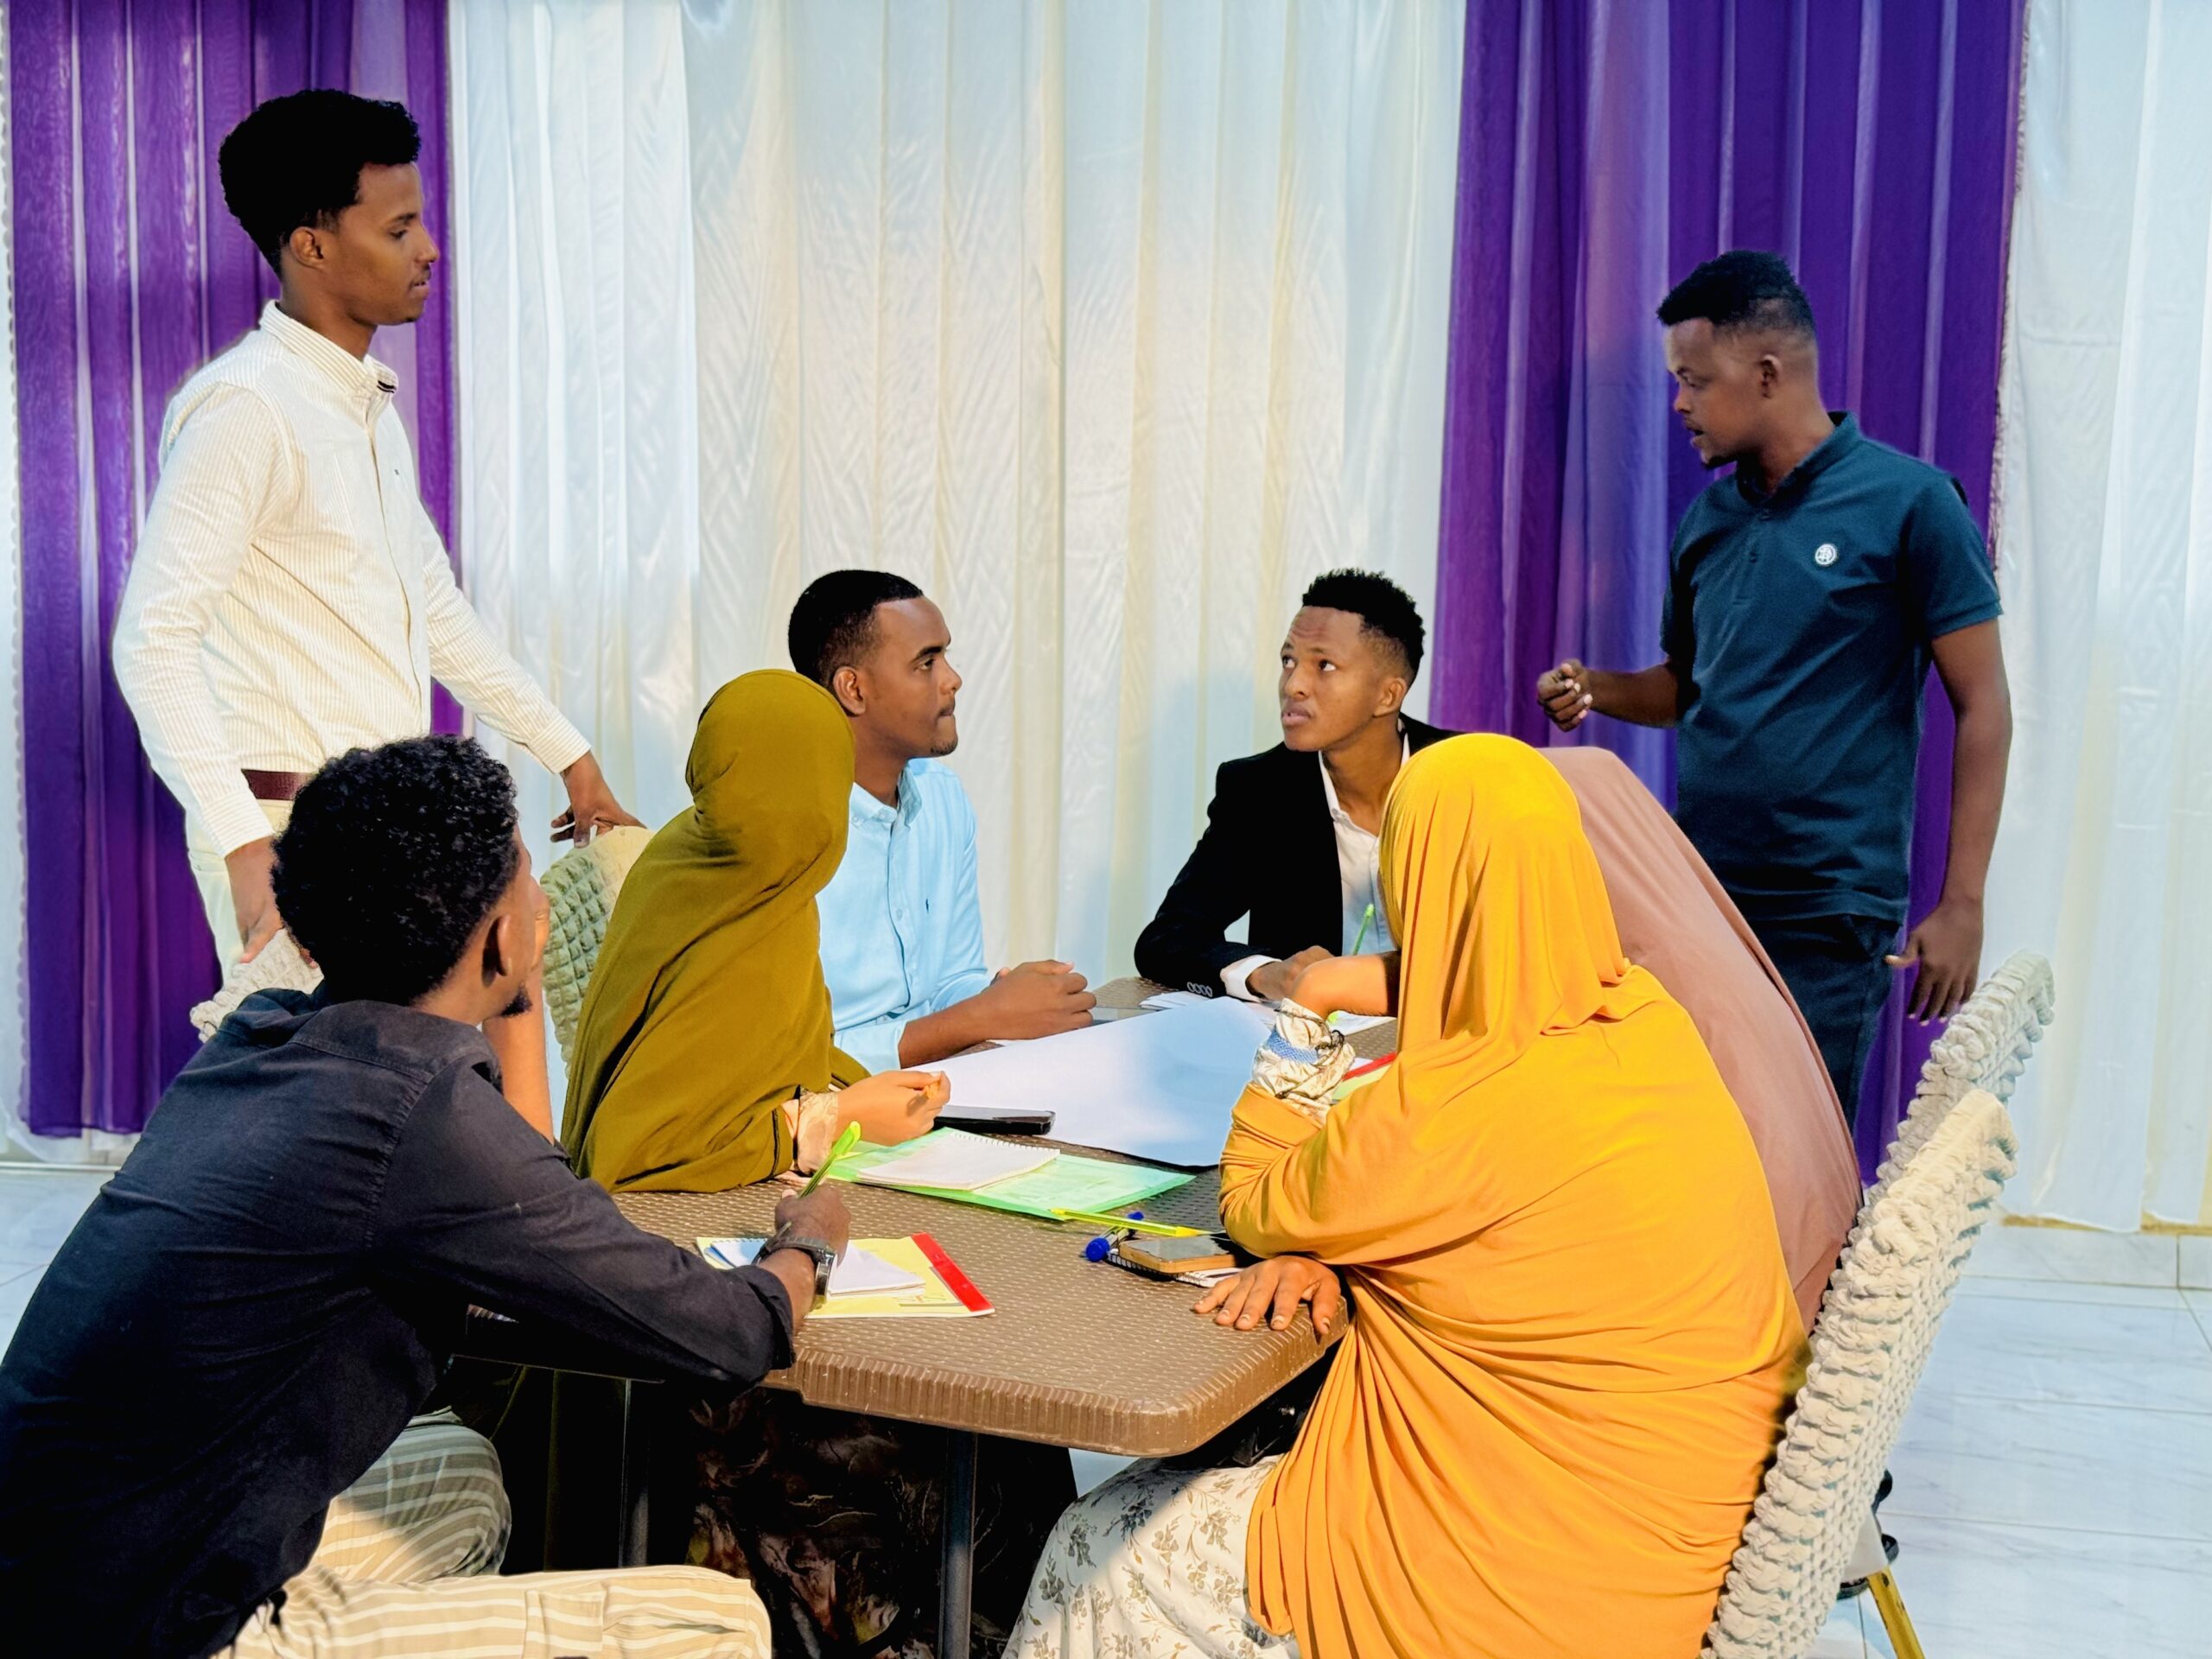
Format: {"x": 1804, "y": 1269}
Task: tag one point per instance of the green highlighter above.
{"x": 1366, "y": 920}
{"x": 845, "y": 1143}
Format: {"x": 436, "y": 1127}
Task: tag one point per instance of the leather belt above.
{"x": 275, "y": 786}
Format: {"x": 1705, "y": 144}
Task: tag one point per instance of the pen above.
{"x": 1135, "y": 1224}
{"x": 846, "y": 1143}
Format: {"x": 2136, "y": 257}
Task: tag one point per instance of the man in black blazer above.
{"x": 1291, "y": 835}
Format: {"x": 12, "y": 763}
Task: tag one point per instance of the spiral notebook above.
{"x": 940, "y": 1290}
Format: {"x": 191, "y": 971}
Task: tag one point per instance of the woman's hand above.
{"x": 1348, "y": 985}
{"x": 894, "y": 1106}
{"x": 1282, "y": 1282}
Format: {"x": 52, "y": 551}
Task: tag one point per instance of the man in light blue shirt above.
{"x": 902, "y": 933}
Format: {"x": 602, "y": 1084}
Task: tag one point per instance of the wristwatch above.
{"x": 824, "y": 1255}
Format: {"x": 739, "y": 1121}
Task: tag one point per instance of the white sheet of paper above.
{"x": 1347, "y": 1023}
{"x": 858, "y": 1272}
{"x": 1161, "y": 1087}
{"x": 957, "y": 1161}
{"x": 1164, "y": 1001}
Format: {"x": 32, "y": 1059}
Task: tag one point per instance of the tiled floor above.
{"x": 2054, "y": 1482}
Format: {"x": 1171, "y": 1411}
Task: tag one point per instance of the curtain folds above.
{"x": 1606, "y": 147}
{"x": 14, "y": 968}
{"x": 128, "y": 273}
{"x": 2106, "y": 486}
{"x": 1110, "y": 326}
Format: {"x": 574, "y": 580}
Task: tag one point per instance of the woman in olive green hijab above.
{"x": 703, "y": 1061}
{"x": 703, "y": 1056}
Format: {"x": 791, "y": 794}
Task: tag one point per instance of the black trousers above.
{"x": 1834, "y": 966}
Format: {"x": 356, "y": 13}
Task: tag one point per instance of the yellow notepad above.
{"x": 945, "y": 1292}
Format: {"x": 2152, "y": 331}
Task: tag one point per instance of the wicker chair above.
{"x": 1812, "y": 1522}
{"x": 1986, "y": 1045}
{"x": 581, "y": 888}
{"x": 1809, "y": 1530}
{"x": 279, "y": 967}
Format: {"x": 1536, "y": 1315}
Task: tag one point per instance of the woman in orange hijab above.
{"x": 1573, "y": 1338}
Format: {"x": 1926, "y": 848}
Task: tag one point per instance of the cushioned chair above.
{"x": 581, "y": 888}
{"x": 1811, "y": 1528}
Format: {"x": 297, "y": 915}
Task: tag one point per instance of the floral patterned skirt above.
{"x": 1148, "y": 1566}
{"x": 837, "y": 1518}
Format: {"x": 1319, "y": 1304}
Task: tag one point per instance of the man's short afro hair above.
{"x": 1385, "y": 611}
{"x": 393, "y": 857}
{"x": 297, "y": 160}
{"x": 1741, "y": 289}
{"x": 833, "y": 624}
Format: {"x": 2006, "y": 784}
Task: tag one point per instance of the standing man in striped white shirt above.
{"x": 291, "y": 598}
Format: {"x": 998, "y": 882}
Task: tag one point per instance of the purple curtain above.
{"x": 1606, "y": 147}
{"x": 129, "y": 274}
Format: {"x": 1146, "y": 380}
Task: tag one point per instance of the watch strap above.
{"x": 823, "y": 1252}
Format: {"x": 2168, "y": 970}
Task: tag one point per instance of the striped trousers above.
{"x": 408, "y": 1565}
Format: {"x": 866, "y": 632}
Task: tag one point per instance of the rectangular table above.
{"x": 1078, "y": 1353}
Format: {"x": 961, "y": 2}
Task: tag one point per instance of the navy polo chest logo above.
{"x": 1825, "y": 554}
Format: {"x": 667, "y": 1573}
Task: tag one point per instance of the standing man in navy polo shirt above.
{"x": 1808, "y": 595}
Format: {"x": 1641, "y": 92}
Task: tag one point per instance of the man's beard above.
{"x": 520, "y": 1006}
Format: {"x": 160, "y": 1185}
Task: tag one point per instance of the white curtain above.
{"x": 1110, "y": 325}
{"x": 2105, "y": 860}
{"x": 578, "y": 485}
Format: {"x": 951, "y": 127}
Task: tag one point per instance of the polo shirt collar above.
{"x": 358, "y": 378}
{"x": 1833, "y": 449}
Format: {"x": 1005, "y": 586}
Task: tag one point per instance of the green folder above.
{"x": 1069, "y": 1182}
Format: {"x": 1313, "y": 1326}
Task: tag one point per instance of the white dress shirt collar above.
{"x": 1336, "y": 813}
{"x": 365, "y": 382}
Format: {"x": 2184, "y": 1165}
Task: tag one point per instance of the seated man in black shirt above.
{"x": 1292, "y": 835}
{"x": 204, "y": 1416}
